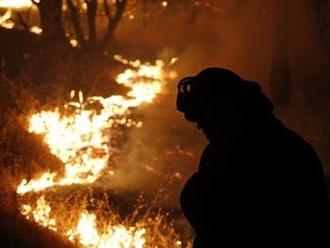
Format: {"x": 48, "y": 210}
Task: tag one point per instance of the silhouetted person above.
{"x": 259, "y": 184}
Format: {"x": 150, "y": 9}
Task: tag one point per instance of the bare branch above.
{"x": 120, "y": 7}
{"x": 113, "y": 22}
{"x": 75, "y": 19}
{"x": 107, "y": 10}
{"x": 28, "y": 15}
{"x": 91, "y": 16}
{"x": 35, "y": 2}
{"x": 22, "y": 21}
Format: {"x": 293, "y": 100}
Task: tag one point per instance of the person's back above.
{"x": 260, "y": 184}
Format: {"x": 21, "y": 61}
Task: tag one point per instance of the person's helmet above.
{"x": 215, "y": 88}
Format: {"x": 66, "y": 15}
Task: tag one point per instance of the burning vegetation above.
{"x": 82, "y": 135}
{"x": 81, "y": 165}
{"x": 61, "y": 154}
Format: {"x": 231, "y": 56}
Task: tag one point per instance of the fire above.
{"x": 116, "y": 237}
{"x": 81, "y": 136}
{"x": 45, "y": 181}
{"x": 15, "y": 4}
{"x": 142, "y": 90}
{"x": 41, "y": 213}
{"x": 74, "y": 42}
{"x": 86, "y": 232}
{"x": 36, "y": 30}
{"x": 5, "y": 20}
{"x": 78, "y": 139}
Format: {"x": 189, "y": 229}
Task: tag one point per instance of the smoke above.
{"x": 241, "y": 39}
{"x": 160, "y": 156}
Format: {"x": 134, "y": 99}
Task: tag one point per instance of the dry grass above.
{"x": 24, "y": 155}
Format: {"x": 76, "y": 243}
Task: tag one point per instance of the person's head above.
{"x": 221, "y": 102}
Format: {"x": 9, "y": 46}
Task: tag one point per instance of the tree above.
{"x": 62, "y": 21}
{"x": 51, "y": 19}
{"x": 52, "y": 24}
{"x": 94, "y": 41}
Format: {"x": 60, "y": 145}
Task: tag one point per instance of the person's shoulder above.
{"x": 297, "y": 144}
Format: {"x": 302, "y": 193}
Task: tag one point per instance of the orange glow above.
{"x": 41, "y": 213}
{"x": 36, "y": 30}
{"x": 117, "y": 236}
{"x": 80, "y": 139}
{"x": 5, "y": 20}
{"x": 17, "y": 4}
{"x": 164, "y": 3}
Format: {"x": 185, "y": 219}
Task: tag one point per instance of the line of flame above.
{"x": 79, "y": 139}
{"x": 86, "y": 232}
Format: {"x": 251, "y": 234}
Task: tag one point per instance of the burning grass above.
{"x": 81, "y": 136}
{"x": 94, "y": 218}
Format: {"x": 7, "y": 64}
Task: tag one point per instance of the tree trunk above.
{"x": 55, "y": 48}
{"x": 91, "y": 16}
{"x": 113, "y": 22}
{"x": 75, "y": 19}
{"x": 51, "y": 20}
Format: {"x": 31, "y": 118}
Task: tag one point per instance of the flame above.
{"x": 74, "y": 42}
{"x": 17, "y": 4}
{"x": 45, "y": 181}
{"x": 36, "y": 30}
{"x": 117, "y": 237}
{"x": 80, "y": 135}
{"x": 78, "y": 139}
{"x": 142, "y": 90}
{"x": 5, "y": 21}
{"x": 164, "y": 4}
{"x": 41, "y": 213}
{"x": 86, "y": 233}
